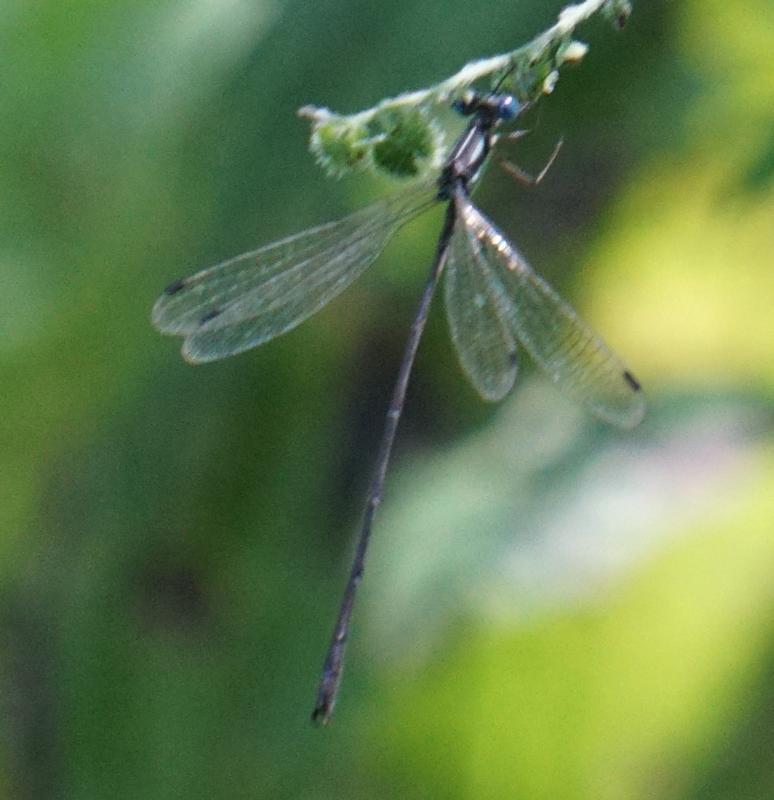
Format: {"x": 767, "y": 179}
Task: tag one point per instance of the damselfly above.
{"x": 494, "y": 304}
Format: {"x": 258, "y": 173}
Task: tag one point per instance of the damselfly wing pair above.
{"x": 495, "y": 305}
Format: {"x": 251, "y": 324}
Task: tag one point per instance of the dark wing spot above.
{"x": 513, "y": 358}
{"x": 632, "y": 381}
{"x": 211, "y": 314}
{"x": 175, "y": 287}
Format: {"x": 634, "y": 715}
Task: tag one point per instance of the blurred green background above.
{"x": 551, "y": 609}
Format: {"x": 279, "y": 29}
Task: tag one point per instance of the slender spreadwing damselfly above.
{"x": 495, "y": 304}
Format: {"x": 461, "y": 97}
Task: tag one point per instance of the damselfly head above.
{"x": 496, "y": 106}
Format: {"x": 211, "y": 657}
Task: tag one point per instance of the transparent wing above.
{"x": 478, "y": 318}
{"x": 552, "y": 333}
{"x": 254, "y": 297}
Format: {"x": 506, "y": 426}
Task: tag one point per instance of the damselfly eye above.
{"x": 467, "y": 103}
{"x": 507, "y": 107}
